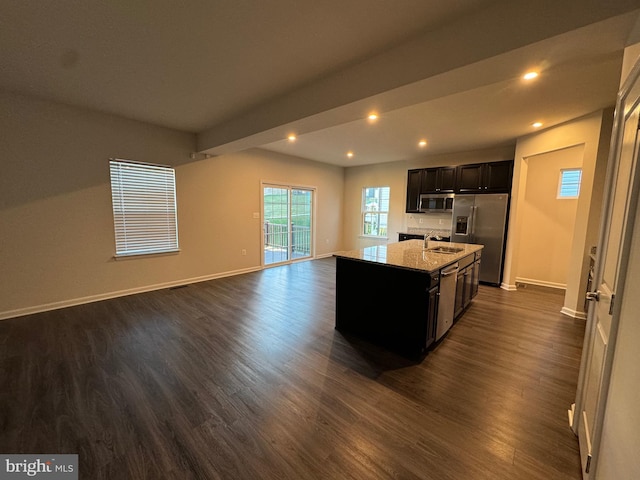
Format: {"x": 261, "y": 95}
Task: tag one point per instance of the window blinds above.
{"x": 569, "y": 186}
{"x": 144, "y": 208}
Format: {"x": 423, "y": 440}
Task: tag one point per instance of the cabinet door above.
{"x": 434, "y": 297}
{"x": 439, "y": 180}
{"x": 459, "y": 305}
{"x": 446, "y": 181}
{"x": 414, "y": 186}
{"x": 475, "y": 278}
{"x": 469, "y": 178}
{"x": 497, "y": 177}
{"x": 468, "y": 285}
{"x": 402, "y": 237}
{"x": 430, "y": 180}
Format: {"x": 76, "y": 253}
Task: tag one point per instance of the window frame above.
{"x": 574, "y": 186}
{"x": 378, "y": 213}
{"x": 144, "y": 206}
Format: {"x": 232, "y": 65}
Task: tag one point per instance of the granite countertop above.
{"x": 411, "y": 254}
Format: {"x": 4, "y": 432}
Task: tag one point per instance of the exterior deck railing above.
{"x": 277, "y": 236}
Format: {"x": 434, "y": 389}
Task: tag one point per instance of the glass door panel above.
{"x": 301, "y": 223}
{"x": 288, "y": 223}
{"x": 276, "y": 225}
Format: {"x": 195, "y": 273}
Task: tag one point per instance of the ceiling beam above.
{"x": 503, "y": 26}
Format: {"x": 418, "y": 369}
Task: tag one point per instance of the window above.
{"x": 375, "y": 211}
{"x": 144, "y": 208}
{"x": 569, "y": 186}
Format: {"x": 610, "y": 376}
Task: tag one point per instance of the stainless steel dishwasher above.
{"x": 446, "y": 303}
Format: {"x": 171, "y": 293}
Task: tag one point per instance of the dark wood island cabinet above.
{"x": 371, "y": 303}
{"x": 388, "y": 294}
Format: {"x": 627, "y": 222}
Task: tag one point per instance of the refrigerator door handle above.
{"x": 472, "y": 223}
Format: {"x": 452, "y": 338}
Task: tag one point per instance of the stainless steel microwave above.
{"x": 436, "y": 202}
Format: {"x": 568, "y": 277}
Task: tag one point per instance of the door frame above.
{"x": 627, "y": 100}
{"x": 314, "y": 201}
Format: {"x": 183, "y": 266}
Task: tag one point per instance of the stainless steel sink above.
{"x": 444, "y": 249}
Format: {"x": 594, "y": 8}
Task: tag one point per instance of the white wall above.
{"x": 392, "y": 175}
{"x": 631, "y": 56}
{"x": 220, "y": 195}
{"x": 56, "y": 224}
{"x": 548, "y": 222}
{"x": 593, "y": 132}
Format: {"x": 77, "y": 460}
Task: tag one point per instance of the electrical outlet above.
{"x": 256, "y": 214}
{"x": 420, "y": 220}
{"x": 244, "y": 251}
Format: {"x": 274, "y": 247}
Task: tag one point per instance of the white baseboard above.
{"x": 541, "y": 283}
{"x": 326, "y": 255}
{"x": 20, "y": 312}
{"x": 507, "y": 287}
{"x": 573, "y": 313}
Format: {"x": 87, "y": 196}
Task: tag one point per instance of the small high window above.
{"x": 375, "y": 211}
{"x": 569, "y": 185}
{"x": 144, "y": 208}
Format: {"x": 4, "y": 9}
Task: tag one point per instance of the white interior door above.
{"x": 610, "y": 268}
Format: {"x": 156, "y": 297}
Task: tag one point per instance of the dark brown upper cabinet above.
{"x": 498, "y": 176}
{"x": 493, "y": 177}
{"x": 414, "y": 189}
{"x": 439, "y": 180}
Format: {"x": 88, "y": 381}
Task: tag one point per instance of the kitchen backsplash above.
{"x": 422, "y": 223}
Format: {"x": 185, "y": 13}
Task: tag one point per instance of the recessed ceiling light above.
{"x": 291, "y": 137}
{"x": 373, "y": 116}
{"x": 536, "y": 124}
{"x": 350, "y": 154}
{"x": 422, "y": 143}
{"x": 530, "y": 75}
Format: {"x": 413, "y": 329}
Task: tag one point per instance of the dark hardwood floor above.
{"x": 246, "y": 378}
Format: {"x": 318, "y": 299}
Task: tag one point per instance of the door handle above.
{"x": 472, "y": 221}
{"x": 593, "y": 296}
{"x": 452, "y": 271}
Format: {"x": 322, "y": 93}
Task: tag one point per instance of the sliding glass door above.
{"x": 287, "y": 223}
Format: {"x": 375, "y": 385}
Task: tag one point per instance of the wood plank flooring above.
{"x": 246, "y": 378}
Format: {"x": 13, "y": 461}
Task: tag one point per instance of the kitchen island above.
{"x": 388, "y": 294}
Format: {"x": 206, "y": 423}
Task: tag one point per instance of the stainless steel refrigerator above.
{"x": 482, "y": 219}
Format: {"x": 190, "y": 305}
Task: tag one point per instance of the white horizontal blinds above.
{"x": 144, "y": 208}
{"x": 570, "y": 183}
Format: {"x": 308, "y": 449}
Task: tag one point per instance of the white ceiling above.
{"x": 245, "y": 73}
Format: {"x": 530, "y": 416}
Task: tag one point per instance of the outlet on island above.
{"x": 244, "y": 251}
